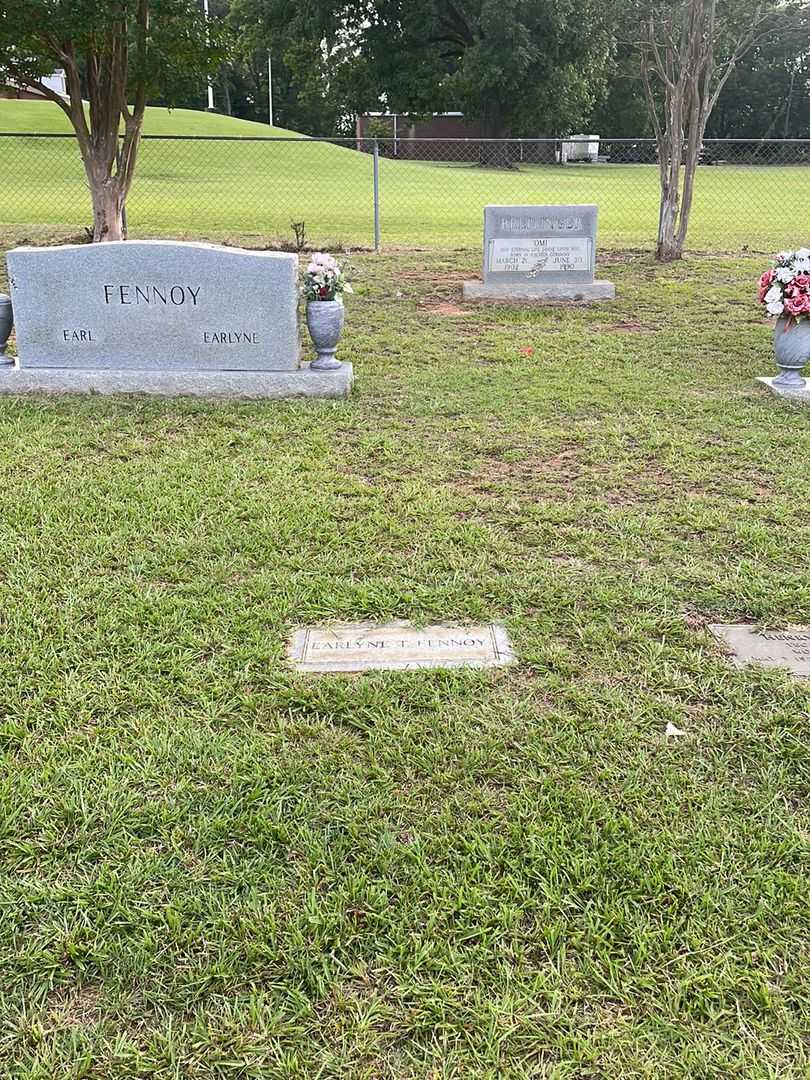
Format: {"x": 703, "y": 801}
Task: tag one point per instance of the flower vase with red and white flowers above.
{"x": 324, "y": 285}
{"x": 784, "y": 291}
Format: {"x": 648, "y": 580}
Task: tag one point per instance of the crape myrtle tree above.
{"x": 523, "y": 67}
{"x": 689, "y": 49}
{"x": 117, "y": 54}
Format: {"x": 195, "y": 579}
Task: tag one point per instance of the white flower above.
{"x": 784, "y": 257}
{"x": 773, "y": 294}
{"x": 325, "y": 272}
{"x": 776, "y": 307}
{"x": 803, "y": 253}
{"x": 327, "y": 261}
{"x": 785, "y": 274}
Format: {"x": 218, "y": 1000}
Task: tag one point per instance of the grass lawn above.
{"x": 222, "y": 188}
{"x": 27, "y": 116}
{"x": 213, "y": 867}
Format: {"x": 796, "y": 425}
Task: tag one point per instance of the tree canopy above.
{"x": 525, "y": 67}
{"x": 117, "y": 55}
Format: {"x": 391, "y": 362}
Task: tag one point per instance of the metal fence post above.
{"x": 377, "y": 196}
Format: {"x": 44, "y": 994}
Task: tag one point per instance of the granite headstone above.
{"x": 159, "y": 316}
{"x": 539, "y": 252}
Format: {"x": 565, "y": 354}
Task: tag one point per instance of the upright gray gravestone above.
{"x": 159, "y": 316}
{"x": 539, "y": 253}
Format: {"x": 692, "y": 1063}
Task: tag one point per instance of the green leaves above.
{"x": 179, "y": 50}
{"x": 532, "y": 66}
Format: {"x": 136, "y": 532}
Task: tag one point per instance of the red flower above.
{"x": 798, "y": 304}
{"x": 765, "y": 283}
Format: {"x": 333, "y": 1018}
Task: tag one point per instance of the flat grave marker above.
{"x": 789, "y": 648}
{"x": 399, "y": 647}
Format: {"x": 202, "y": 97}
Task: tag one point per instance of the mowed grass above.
{"x": 214, "y": 867}
{"x": 44, "y": 116}
{"x": 260, "y": 188}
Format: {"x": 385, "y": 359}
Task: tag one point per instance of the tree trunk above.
{"x": 226, "y": 91}
{"x": 108, "y": 188}
{"x": 668, "y": 248}
{"x": 668, "y": 245}
{"x": 108, "y": 197}
{"x": 690, "y": 172}
{"x": 495, "y": 155}
{"x": 108, "y": 212}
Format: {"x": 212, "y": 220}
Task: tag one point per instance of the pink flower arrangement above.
{"x": 325, "y": 278}
{"x": 784, "y": 290}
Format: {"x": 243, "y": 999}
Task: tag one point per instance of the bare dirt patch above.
{"x": 445, "y": 310}
{"x": 74, "y": 1006}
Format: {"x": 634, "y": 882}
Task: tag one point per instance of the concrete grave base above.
{"x": 802, "y": 394}
{"x": 301, "y": 383}
{"x": 583, "y": 293}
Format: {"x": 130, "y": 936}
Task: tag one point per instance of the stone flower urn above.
{"x": 325, "y": 322}
{"x": 6, "y": 321}
{"x": 791, "y": 344}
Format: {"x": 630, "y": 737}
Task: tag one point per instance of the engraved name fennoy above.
{"x": 403, "y": 643}
{"x": 398, "y": 646}
{"x": 151, "y": 294}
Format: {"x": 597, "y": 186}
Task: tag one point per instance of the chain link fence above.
{"x": 750, "y": 194}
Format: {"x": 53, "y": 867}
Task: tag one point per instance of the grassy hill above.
{"x": 215, "y": 189}
{"x": 45, "y": 116}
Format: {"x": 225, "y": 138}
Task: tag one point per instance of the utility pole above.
{"x": 269, "y": 89}
{"x": 210, "y": 87}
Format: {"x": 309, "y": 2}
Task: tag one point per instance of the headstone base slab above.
{"x": 583, "y": 293}
{"x": 301, "y": 383}
{"x": 803, "y": 394}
